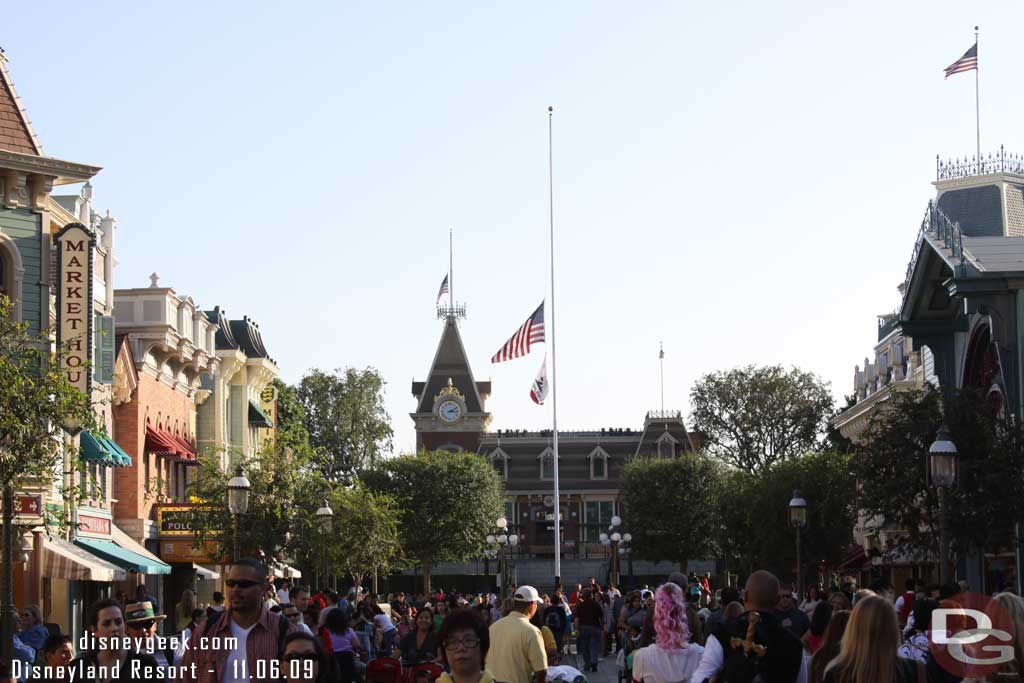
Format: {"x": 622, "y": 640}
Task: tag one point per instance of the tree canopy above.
{"x": 345, "y": 418}
{"x": 753, "y": 417}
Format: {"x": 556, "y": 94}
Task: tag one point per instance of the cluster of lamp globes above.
{"x": 615, "y": 536}
{"x": 503, "y": 537}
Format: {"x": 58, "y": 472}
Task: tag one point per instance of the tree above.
{"x": 345, "y": 417}
{"x": 285, "y": 486}
{"x": 891, "y": 462}
{"x": 291, "y": 418}
{"x": 447, "y": 504}
{"x": 669, "y": 506}
{"x": 754, "y": 417}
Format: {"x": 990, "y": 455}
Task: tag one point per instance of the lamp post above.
{"x": 238, "y": 501}
{"x": 613, "y": 538}
{"x": 798, "y": 520}
{"x": 505, "y": 542}
{"x": 325, "y": 515}
{"x": 626, "y": 549}
{"x": 942, "y": 474}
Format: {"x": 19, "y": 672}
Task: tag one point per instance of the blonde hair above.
{"x": 869, "y": 648}
{"x": 1013, "y": 605}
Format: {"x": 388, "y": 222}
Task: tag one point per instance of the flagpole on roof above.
{"x": 554, "y": 384}
{"x": 451, "y": 281}
{"x": 661, "y": 357}
{"x": 977, "y": 105}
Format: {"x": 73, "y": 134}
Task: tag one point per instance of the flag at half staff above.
{"x": 539, "y": 390}
{"x": 531, "y": 332}
{"x": 444, "y": 290}
{"x": 969, "y": 62}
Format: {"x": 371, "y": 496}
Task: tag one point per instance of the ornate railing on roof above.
{"x": 939, "y": 225}
{"x": 1000, "y": 162}
{"x": 887, "y": 324}
{"x": 664, "y": 414}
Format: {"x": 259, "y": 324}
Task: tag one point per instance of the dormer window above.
{"x": 667, "y": 446}
{"x": 499, "y": 461}
{"x": 547, "y": 464}
{"x": 598, "y": 463}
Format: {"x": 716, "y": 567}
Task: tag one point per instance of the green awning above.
{"x": 123, "y": 558}
{"x": 124, "y": 460}
{"x": 95, "y": 449}
{"x": 258, "y": 417}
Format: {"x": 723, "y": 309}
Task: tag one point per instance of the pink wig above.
{"x": 670, "y": 627}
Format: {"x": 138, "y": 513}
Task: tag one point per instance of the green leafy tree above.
{"x": 891, "y": 464}
{"x": 447, "y": 504}
{"x": 291, "y": 418}
{"x": 669, "y": 506}
{"x": 753, "y": 417}
{"x": 345, "y": 417}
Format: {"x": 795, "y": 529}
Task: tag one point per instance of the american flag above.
{"x": 444, "y": 290}
{"x": 531, "y": 332}
{"x": 969, "y": 62}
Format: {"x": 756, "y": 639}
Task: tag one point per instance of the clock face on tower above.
{"x": 449, "y": 411}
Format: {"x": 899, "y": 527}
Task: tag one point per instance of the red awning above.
{"x": 186, "y": 450}
{"x": 160, "y": 442}
{"x": 856, "y": 559}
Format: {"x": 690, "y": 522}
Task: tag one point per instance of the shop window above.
{"x": 597, "y": 516}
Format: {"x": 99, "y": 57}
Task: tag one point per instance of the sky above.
{"x": 742, "y": 181}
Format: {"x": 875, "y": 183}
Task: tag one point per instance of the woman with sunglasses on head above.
{"x": 464, "y": 644}
{"x": 304, "y": 660}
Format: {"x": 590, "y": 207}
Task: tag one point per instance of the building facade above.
{"x": 451, "y": 414}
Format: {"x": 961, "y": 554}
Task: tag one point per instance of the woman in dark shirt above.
{"x": 105, "y": 623}
{"x": 420, "y": 645}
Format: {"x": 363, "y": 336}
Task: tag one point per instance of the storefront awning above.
{"x": 204, "y": 573}
{"x": 118, "y": 453}
{"x": 160, "y": 442}
{"x": 96, "y": 447}
{"x": 124, "y": 558}
{"x": 63, "y": 560}
{"x": 186, "y": 450}
{"x": 258, "y": 417}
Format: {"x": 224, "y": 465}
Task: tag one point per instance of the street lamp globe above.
{"x": 616, "y": 520}
{"x": 502, "y": 539}
{"x": 797, "y": 511}
{"x": 616, "y": 537}
{"x": 622, "y": 551}
{"x": 491, "y": 539}
{"x": 603, "y": 537}
{"x": 513, "y": 539}
{"x": 501, "y": 523}
{"x": 942, "y": 460}
{"x": 238, "y": 492}
{"x": 326, "y": 516}
{"x": 627, "y": 537}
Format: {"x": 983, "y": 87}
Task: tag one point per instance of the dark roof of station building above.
{"x": 239, "y": 335}
{"x": 451, "y": 363}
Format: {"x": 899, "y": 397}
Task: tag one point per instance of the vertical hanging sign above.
{"x": 74, "y": 303}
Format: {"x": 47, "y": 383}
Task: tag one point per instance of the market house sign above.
{"x": 74, "y": 303}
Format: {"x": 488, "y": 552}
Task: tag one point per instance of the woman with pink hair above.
{"x": 671, "y": 658}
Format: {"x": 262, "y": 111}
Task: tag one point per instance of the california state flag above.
{"x": 539, "y": 390}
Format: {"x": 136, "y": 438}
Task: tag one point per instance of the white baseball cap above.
{"x": 527, "y": 594}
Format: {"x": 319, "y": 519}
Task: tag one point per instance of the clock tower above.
{"x": 450, "y": 410}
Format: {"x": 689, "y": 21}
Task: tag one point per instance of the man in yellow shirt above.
{"x": 516, "y": 653}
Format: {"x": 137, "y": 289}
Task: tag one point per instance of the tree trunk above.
{"x": 426, "y": 577}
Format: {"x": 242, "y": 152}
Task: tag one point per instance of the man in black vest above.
{"x": 779, "y": 659}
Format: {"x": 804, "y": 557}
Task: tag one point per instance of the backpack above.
{"x": 755, "y": 648}
{"x": 553, "y": 620}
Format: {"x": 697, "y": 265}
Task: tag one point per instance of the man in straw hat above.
{"x": 141, "y": 624}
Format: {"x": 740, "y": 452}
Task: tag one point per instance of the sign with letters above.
{"x": 74, "y": 303}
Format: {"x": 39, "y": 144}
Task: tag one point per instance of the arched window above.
{"x": 11, "y": 273}
{"x": 499, "y": 461}
{"x": 547, "y": 464}
{"x": 598, "y": 463}
{"x": 666, "y": 446}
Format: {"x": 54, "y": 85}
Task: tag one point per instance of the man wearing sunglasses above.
{"x": 141, "y": 622}
{"x": 242, "y": 644}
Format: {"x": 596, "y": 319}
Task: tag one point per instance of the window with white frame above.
{"x": 599, "y": 463}
{"x": 547, "y": 464}
{"x": 666, "y": 446}
{"x": 499, "y": 461}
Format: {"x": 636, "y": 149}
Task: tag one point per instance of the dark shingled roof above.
{"x": 450, "y": 362}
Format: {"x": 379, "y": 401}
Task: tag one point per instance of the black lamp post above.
{"x": 798, "y": 520}
{"x": 505, "y": 542}
{"x": 238, "y": 500}
{"x": 325, "y": 515}
{"x": 942, "y": 474}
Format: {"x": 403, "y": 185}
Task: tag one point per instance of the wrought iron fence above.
{"x": 999, "y": 162}
{"x": 939, "y": 225}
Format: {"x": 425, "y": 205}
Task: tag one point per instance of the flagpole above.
{"x": 554, "y": 384}
{"x": 977, "y": 105}
{"x": 451, "y": 281}
{"x": 661, "y": 357}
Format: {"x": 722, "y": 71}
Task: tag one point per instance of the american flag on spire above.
{"x": 969, "y": 62}
{"x": 531, "y": 332}
{"x": 444, "y": 290}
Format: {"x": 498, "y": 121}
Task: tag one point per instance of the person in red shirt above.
{"x": 588, "y": 618}
{"x": 575, "y": 597}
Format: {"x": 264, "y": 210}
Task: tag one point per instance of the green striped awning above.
{"x": 258, "y": 417}
{"x": 122, "y": 557}
{"x": 96, "y": 447}
{"x": 119, "y": 453}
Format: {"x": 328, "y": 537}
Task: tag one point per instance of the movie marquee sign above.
{"x": 74, "y": 302}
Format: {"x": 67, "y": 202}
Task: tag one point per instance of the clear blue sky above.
{"x": 741, "y": 180}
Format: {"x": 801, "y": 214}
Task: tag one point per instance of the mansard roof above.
{"x": 225, "y": 339}
{"x": 451, "y": 362}
{"x": 16, "y": 134}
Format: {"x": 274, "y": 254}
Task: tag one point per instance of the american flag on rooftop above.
{"x": 444, "y": 289}
{"x": 969, "y": 62}
{"x": 531, "y": 332}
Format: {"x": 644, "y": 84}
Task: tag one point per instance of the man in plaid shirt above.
{"x": 257, "y": 633}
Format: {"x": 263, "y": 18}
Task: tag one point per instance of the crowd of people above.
{"x": 683, "y": 631}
